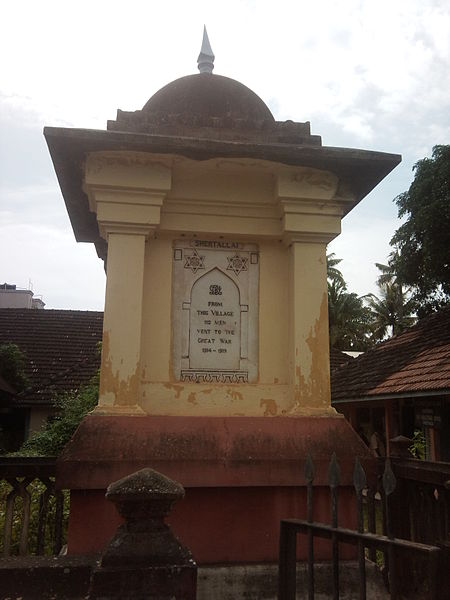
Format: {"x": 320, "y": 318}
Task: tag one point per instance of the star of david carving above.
{"x": 194, "y": 262}
{"x": 237, "y": 263}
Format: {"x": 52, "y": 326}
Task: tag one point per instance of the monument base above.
{"x": 242, "y": 475}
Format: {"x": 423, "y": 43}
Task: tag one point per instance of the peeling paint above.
{"x": 235, "y": 395}
{"x": 176, "y": 388}
{"x": 123, "y": 390}
{"x": 271, "y": 407}
{"x": 192, "y": 398}
{"x": 316, "y": 389}
{"x": 106, "y": 365}
{"x": 215, "y": 400}
{"x": 318, "y": 343}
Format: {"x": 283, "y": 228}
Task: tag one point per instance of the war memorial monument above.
{"x": 213, "y": 221}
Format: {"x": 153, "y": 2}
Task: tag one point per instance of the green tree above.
{"x": 392, "y": 312}
{"x": 12, "y": 366}
{"x": 333, "y": 273}
{"x": 423, "y": 241}
{"x": 55, "y": 434}
{"x": 349, "y": 319}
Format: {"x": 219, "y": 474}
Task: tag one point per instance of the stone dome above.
{"x": 208, "y": 95}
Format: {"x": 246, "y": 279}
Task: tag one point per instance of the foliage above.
{"x": 72, "y": 406}
{"x": 333, "y": 273}
{"x": 35, "y": 489}
{"x": 12, "y": 366}
{"x": 392, "y": 312}
{"x": 423, "y": 241}
{"x": 349, "y": 319}
{"x": 417, "y": 447}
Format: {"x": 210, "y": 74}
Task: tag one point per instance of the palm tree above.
{"x": 393, "y": 311}
{"x": 349, "y": 319}
{"x": 333, "y": 273}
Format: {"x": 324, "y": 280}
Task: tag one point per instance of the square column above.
{"x": 309, "y": 340}
{"x": 122, "y": 325}
{"x": 311, "y": 213}
{"x": 126, "y": 191}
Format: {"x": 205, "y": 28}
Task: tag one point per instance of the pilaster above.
{"x": 126, "y": 191}
{"x": 311, "y": 217}
{"x": 309, "y": 342}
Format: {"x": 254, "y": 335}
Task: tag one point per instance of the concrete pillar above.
{"x": 126, "y": 192}
{"x": 309, "y": 345}
{"x": 120, "y": 370}
{"x": 311, "y": 215}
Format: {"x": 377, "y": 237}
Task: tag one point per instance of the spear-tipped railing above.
{"x": 387, "y": 544}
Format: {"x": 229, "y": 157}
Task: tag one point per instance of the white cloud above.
{"x": 67, "y": 275}
{"x": 366, "y": 74}
{"x": 363, "y": 243}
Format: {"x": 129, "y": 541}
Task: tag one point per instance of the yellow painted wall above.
{"x": 145, "y": 202}
{"x": 161, "y": 394}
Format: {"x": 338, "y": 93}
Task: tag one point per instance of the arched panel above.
{"x": 215, "y": 323}
{"x": 215, "y": 289}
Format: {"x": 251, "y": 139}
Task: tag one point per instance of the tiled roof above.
{"x": 338, "y": 359}
{"x": 5, "y": 388}
{"x": 417, "y": 360}
{"x": 60, "y": 346}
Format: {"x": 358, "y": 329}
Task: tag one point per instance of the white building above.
{"x": 12, "y": 297}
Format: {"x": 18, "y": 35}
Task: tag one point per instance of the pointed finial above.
{"x": 206, "y": 57}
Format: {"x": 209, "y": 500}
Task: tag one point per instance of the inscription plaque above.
{"x": 215, "y": 311}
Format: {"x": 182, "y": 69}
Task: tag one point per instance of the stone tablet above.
{"x": 215, "y": 311}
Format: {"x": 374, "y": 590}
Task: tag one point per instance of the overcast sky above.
{"x": 366, "y": 74}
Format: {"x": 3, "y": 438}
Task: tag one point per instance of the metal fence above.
{"x": 390, "y": 548}
{"x": 32, "y": 511}
{"x": 421, "y": 505}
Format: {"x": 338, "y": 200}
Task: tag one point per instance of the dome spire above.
{"x": 206, "y": 57}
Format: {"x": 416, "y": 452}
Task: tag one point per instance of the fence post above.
{"x": 144, "y": 559}
{"x": 334, "y": 476}
{"x": 288, "y": 562}
{"x": 360, "y": 483}
{"x": 389, "y": 483}
{"x": 309, "y": 477}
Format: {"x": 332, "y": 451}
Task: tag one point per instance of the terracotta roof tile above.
{"x": 414, "y": 361}
{"x": 338, "y": 358}
{"x": 61, "y": 348}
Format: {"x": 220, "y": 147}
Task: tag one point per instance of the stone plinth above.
{"x": 144, "y": 560}
{"x": 242, "y": 475}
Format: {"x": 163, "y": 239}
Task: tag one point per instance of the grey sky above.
{"x": 372, "y": 75}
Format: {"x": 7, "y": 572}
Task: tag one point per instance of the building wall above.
{"x": 37, "y": 419}
{"x": 143, "y": 204}
{"x": 16, "y": 298}
{"x": 161, "y": 394}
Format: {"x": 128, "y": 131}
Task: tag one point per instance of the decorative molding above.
{"x": 97, "y": 161}
{"x": 305, "y": 183}
{"x": 194, "y": 262}
{"x": 316, "y": 179}
{"x": 107, "y": 228}
{"x": 237, "y": 263}
{"x": 209, "y": 376}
